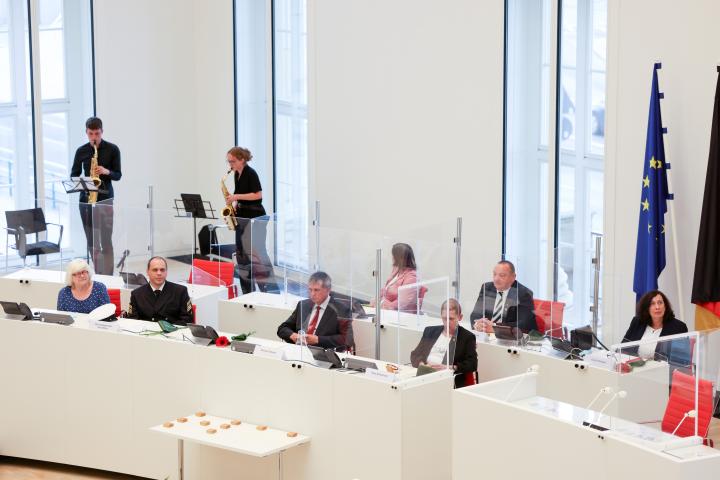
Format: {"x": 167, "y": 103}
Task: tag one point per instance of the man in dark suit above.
{"x": 448, "y": 345}
{"x": 98, "y": 221}
{"x": 505, "y": 301}
{"x": 160, "y": 299}
{"x": 323, "y": 321}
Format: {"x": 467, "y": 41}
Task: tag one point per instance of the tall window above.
{"x": 527, "y": 130}
{"x": 64, "y": 54}
{"x": 291, "y": 147}
{"x": 275, "y": 88}
{"x": 580, "y": 133}
{"x": 581, "y": 154}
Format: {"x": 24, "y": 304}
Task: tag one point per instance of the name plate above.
{"x": 100, "y": 325}
{"x": 269, "y": 352}
{"x": 380, "y": 375}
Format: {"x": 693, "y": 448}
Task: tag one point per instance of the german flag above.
{"x": 706, "y": 282}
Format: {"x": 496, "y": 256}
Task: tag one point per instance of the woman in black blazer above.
{"x": 654, "y": 318}
{"x": 446, "y": 344}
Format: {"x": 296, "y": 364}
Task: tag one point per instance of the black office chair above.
{"x": 20, "y": 224}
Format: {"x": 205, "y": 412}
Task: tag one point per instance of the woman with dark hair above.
{"x": 654, "y": 318}
{"x": 404, "y": 272}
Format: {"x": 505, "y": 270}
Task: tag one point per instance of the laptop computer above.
{"x": 204, "y": 334}
{"x": 17, "y": 310}
{"x": 507, "y": 332}
{"x": 325, "y": 357}
{"x": 352, "y": 363}
{"x": 59, "y": 318}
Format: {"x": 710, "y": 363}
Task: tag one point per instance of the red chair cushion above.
{"x": 682, "y": 400}
{"x": 549, "y": 316}
{"x": 114, "y": 294}
{"x": 218, "y": 273}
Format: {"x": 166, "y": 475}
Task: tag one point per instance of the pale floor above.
{"x": 18, "y": 469}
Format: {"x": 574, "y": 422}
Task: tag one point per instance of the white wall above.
{"x": 684, "y": 37}
{"x": 406, "y": 121}
{"x": 164, "y": 91}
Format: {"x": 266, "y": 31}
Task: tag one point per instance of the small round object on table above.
{"x": 235, "y": 422}
{"x": 292, "y": 434}
{"x": 167, "y": 424}
{"x": 204, "y": 423}
{"x": 182, "y": 420}
{"x": 211, "y": 431}
{"x": 224, "y": 426}
{"x": 262, "y": 428}
{"x": 200, "y": 414}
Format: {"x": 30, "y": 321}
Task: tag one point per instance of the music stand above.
{"x": 192, "y": 205}
{"x": 80, "y": 184}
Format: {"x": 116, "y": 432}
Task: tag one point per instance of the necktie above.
{"x": 497, "y": 314}
{"x": 314, "y": 321}
{"x": 157, "y": 294}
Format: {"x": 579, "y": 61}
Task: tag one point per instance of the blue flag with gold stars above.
{"x": 650, "y": 251}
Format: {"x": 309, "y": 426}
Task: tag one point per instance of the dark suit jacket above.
{"x": 519, "y": 309}
{"x": 172, "y": 305}
{"x": 462, "y": 351}
{"x": 333, "y": 331}
{"x": 676, "y": 352}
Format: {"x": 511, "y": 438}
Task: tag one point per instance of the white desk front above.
{"x": 39, "y": 289}
{"x": 84, "y": 396}
{"x": 507, "y": 429}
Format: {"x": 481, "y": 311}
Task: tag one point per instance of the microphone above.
{"x": 121, "y": 263}
{"x": 688, "y": 414}
{"x": 533, "y": 369}
{"x": 619, "y": 395}
{"x": 604, "y": 390}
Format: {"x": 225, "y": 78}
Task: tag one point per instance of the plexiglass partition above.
{"x": 676, "y": 402}
{"x": 425, "y": 334}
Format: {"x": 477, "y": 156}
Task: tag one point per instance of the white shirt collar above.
{"x": 323, "y": 305}
{"x": 159, "y": 288}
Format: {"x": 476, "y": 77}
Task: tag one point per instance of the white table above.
{"x": 529, "y": 435}
{"x": 39, "y": 289}
{"x": 579, "y": 381}
{"x": 226, "y": 434}
{"x": 85, "y": 396}
{"x": 400, "y": 334}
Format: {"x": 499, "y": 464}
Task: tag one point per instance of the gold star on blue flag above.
{"x": 650, "y": 250}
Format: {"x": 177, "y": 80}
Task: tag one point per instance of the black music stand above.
{"x": 80, "y": 184}
{"x": 192, "y": 205}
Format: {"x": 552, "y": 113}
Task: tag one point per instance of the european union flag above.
{"x": 650, "y": 251}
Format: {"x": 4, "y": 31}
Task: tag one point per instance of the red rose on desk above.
{"x": 222, "y": 341}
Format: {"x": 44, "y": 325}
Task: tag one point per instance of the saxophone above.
{"x": 228, "y": 212}
{"x": 92, "y": 198}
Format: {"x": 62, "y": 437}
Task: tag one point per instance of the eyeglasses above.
{"x": 78, "y": 274}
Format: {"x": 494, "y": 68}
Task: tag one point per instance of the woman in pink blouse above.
{"x": 404, "y": 272}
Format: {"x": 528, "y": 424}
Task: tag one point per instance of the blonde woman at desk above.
{"x": 404, "y": 272}
{"x": 81, "y": 294}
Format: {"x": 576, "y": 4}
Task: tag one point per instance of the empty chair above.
{"x": 20, "y": 224}
{"x": 549, "y": 317}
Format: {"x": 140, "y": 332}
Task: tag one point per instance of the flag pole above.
{"x": 681, "y": 297}
{"x": 676, "y": 255}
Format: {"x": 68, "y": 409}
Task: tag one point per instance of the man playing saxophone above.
{"x": 98, "y": 221}
{"x": 253, "y": 261}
